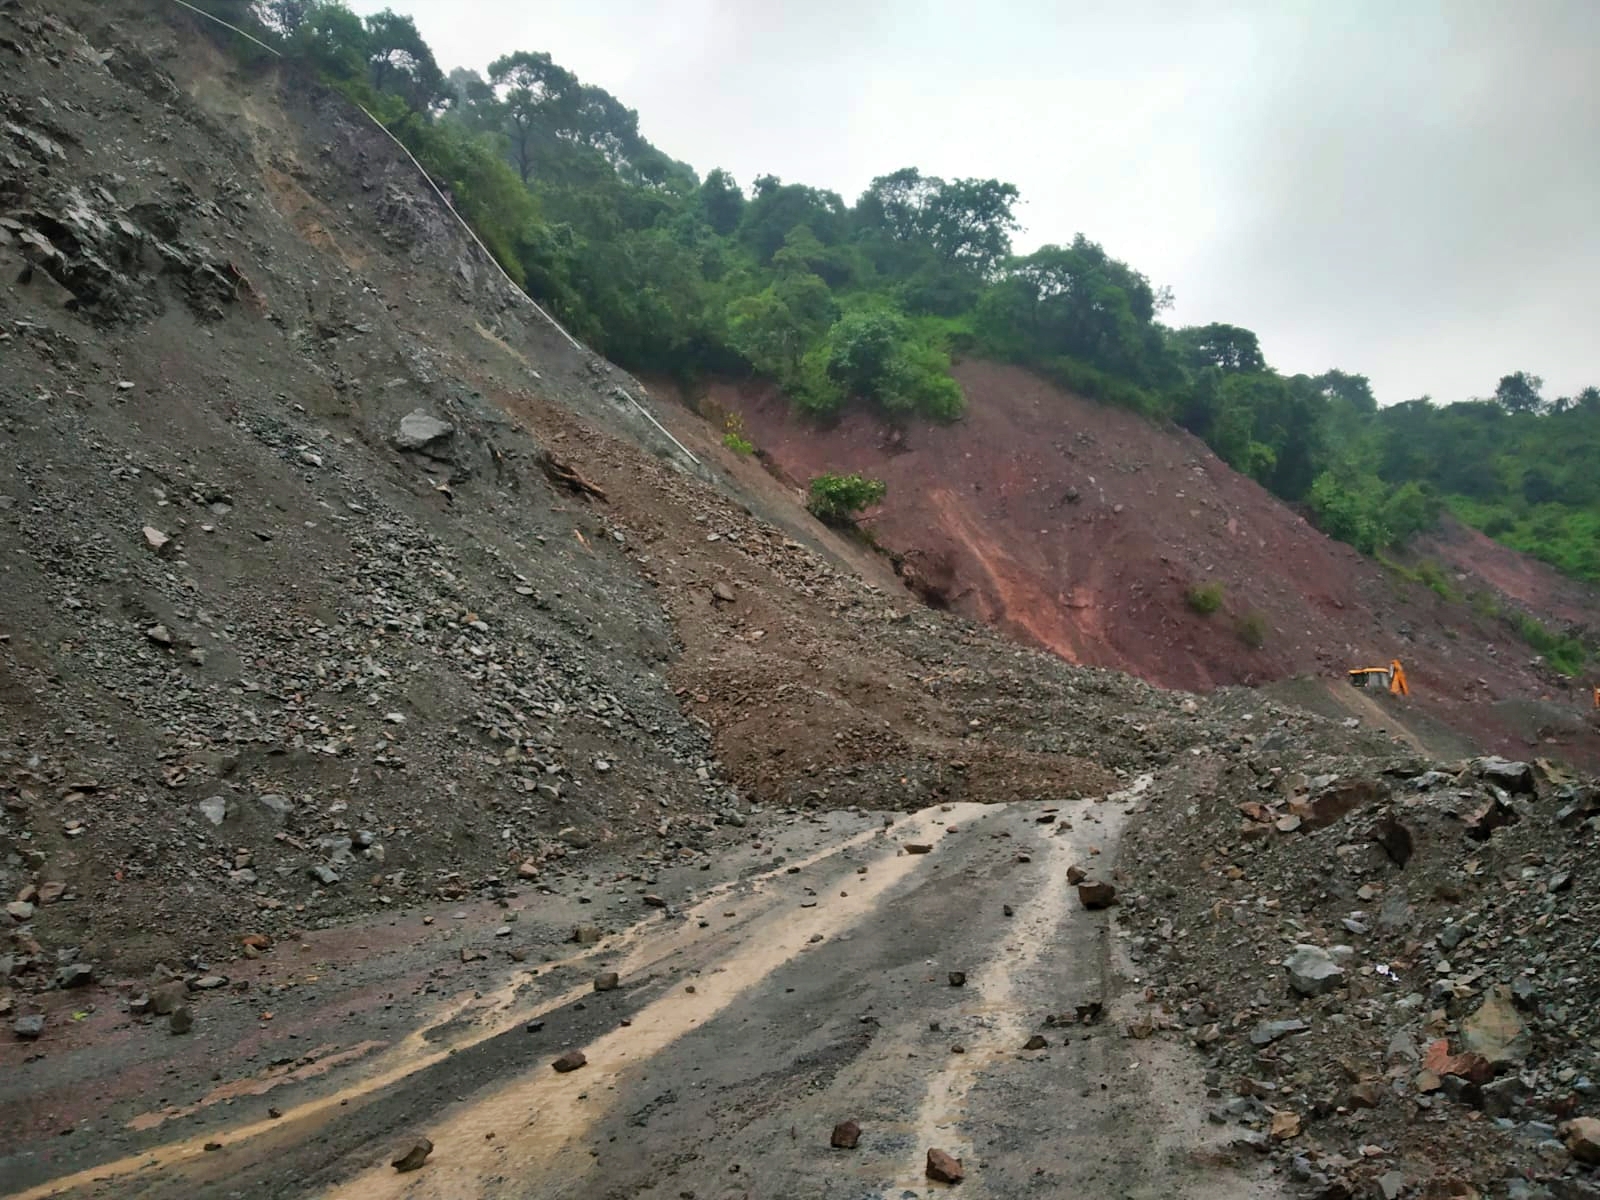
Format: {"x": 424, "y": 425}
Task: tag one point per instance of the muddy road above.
{"x": 809, "y": 985}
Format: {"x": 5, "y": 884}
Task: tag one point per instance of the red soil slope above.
{"x": 1082, "y": 528}
{"x": 1526, "y": 581}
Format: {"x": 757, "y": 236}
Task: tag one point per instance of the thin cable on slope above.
{"x": 470, "y": 232}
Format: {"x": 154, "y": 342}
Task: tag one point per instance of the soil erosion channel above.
{"x": 747, "y": 1025}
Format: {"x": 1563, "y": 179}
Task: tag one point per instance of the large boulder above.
{"x": 1514, "y": 777}
{"x": 420, "y": 429}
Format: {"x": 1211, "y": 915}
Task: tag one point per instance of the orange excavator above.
{"x": 1392, "y": 678}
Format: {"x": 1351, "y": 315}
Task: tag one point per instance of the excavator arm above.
{"x": 1397, "y": 680}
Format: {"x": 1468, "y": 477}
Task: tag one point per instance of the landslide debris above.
{"x": 1385, "y": 961}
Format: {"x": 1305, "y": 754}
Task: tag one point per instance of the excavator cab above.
{"x": 1393, "y": 679}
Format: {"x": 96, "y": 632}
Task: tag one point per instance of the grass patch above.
{"x": 1204, "y": 598}
{"x": 1252, "y": 630}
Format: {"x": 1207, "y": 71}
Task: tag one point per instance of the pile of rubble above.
{"x": 1388, "y": 964}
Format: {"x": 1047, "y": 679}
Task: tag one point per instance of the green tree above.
{"x": 721, "y": 202}
{"x": 1225, "y": 347}
{"x": 400, "y": 61}
{"x": 536, "y": 96}
{"x": 837, "y": 499}
{"x": 1519, "y": 391}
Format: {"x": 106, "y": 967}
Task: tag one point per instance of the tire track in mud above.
{"x": 941, "y": 1117}
{"x": 648, "y": 946}
{"x": 549, "y": 1112}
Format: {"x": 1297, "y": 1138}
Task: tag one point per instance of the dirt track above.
{"x": 819, "y": 994}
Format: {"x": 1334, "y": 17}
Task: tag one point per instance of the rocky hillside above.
{"x": 336, "y": 577}
{"x": 339, "y": 584}
{"x": 1085, "y": 529}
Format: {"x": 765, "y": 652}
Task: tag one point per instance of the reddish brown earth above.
{"x": 1081, "y": 528}
{"x": 1528, "y": 582}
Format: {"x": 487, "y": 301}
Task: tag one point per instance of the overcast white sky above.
{"x": 1409, "y": 189}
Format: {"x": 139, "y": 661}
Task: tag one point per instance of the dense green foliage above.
{"x": 837, "y": 499}
{"x": 863, "y": 303}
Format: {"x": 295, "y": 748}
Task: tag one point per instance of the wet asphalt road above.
{"x": 751, "y": 1021}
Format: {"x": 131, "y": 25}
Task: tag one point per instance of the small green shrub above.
{"x": 1564, "y": 653}
{"x": 1252, "y": 630}
{"x": 1204, "y": 598}
{"x": 733, "y": 436}
{"x": 836, "y": 499}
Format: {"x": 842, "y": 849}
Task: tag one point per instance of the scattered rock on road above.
{"x": 1096, "y": 894}
{"x": 413, "y": 1156}
{"x": 845, "y": 1135}
{"x": 943, "y": 1168}
{"x": 606, "y": 981}
{"x": 570, "y": 1061}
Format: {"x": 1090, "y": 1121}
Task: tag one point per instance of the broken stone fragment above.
{"x": 1469, "y": 1066}
{"x": 845, "y": 1135}
{"x": 1368, "y": 1094}
{"x": 1268, "y": 1032}
{"x": 944, "y": 1168}
{"x": 1096, "y": 894}
{"x": 606, "y": 981}
{"x": 420, "y": 429}
{"x": 1495, "y": 1031}
{"x": 1581, "y": 1135}
{"x": 155, "y": 539}
{"x": 413, "y": 1156}
{"x": 1076, "y": 875}
{"x": 721, "y": 591}
{"x": 159, "y": 634}
{"x": 918, "y": 848}
{"x": 570, "y": 1061}
{"x": 1036, "y": 1042}
{"x": 586, "y": 935}
{"x": 1312, "y": 971}
{"x": 1495, "y": 813}
{"x": 28, "y": 1028}
{"x": 1395, "y": 839}
{"x": 1515, "y": 777}
{"x": 166, "y": 998}
{"x": 1334, "y": 798}
{"x": 75, "y": 975}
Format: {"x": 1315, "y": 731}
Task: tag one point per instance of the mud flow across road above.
{"x": 936, "y": 979}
